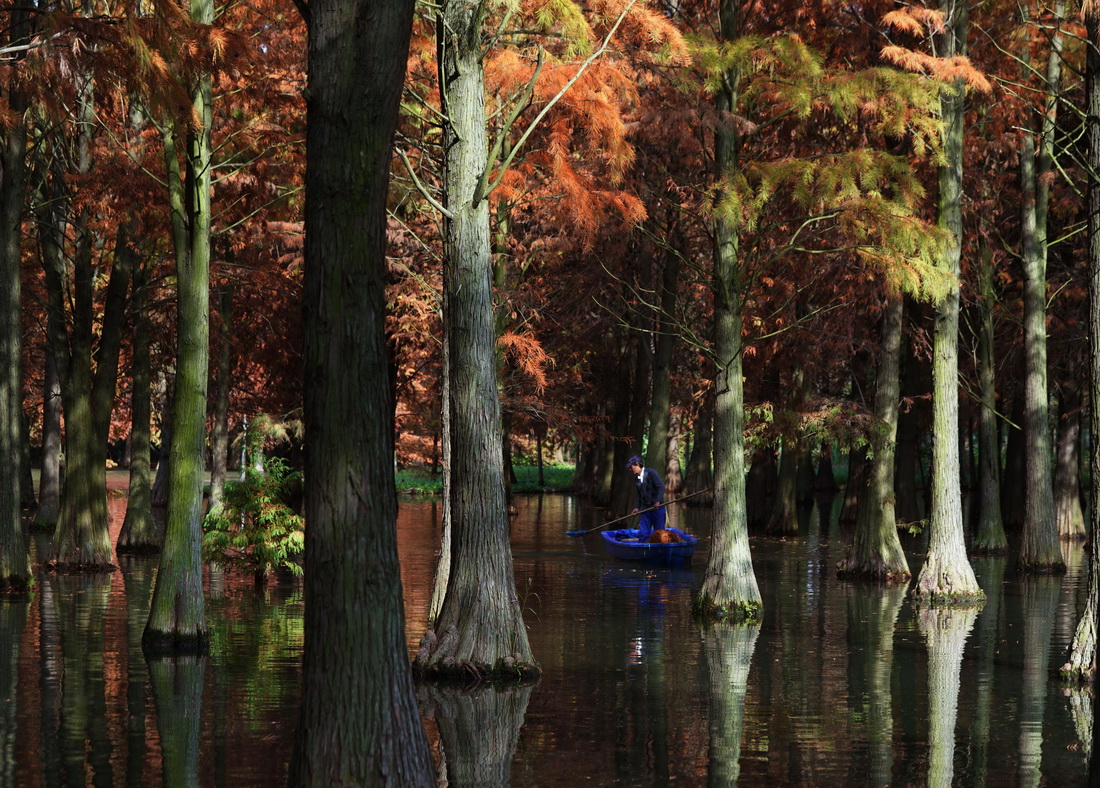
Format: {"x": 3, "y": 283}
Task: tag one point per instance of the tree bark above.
{"x": 990, "y": 537}
{"x": 49, "y": 478}
{"x": 480, "y": 630}
{"x": 700, "y": 467}
{"x": 661, "y": 402}
{"x": 1067, "y": 485}
{"x": 15, "y": 568}
{"x": 359, "y": 723}
{"x": 219, "y": 435}
{"x": 1081, "y": 665}
{"x": 177, "y": 615}
{"x": 947, "y": 576}
{"x": 140, "y": 533}
{"x": 876, "y": 553}
{"x": 729, "y": 588}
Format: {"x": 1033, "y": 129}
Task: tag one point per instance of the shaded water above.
{"x": 841, "y": 685}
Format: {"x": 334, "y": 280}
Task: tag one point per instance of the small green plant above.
{"x": 254, "y": 530}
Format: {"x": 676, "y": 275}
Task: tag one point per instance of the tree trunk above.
{"x": 947, "y": 576}
{"x": 1081, "y": 665}
{"x": 1067, "y": 484}
{"x": 1014, "y": 479}
{"x": 357, "y": 726}
{"x": 49, "y": 478}
{"x": 140, "y": 533}
{"x": 990, "y": 537}
{"x": 15, "y": 568}
{"x": 177, "y": 615}
{"x": 729, "y": 586}
{"x": 1039, "y": 549}
{"x": 700, "y": 468}
{"x": 661, "y": 401}
{"x": 219, "y": 435}
{"x": 26, "y": 478}
{"x": 674, "y": 475}
{"x": 480, "y": 629}
{"x": 784, "y": 514}
{"x": 876, "y": 552}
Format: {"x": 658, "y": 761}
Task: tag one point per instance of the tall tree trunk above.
{"x": 140, "y": 533}
{"x": 49, "y": 478}
{"x": 1081, "y": 665}
{"x": 1014, "y": 478}
{"x": 480, "y": 629}
{"x": 876, "y": 552}
{"x": 783, "y": 520}
{"x": 26, "y": 478}
{"x": 990, "y": 537}
{"x": 219, "y": 435}
{"x": 729, "y": 587}
{"x": 15, "y": 568}
{"x": 356, "y": 727}
{"x": 177, "y": 615}
{"x": 947, "y": 576}
{"x": 674, "y": 475}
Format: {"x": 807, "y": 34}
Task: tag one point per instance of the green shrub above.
{"x": 254, "y": 530}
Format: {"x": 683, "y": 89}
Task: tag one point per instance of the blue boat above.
{"x": 626, "y": 544}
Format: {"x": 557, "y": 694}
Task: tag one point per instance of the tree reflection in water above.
{"x": 177, "y": 689}
{"x": 728, "y": 650}
{"x": 945, "y": 631}
{"x": 478, "y": 731}
{"x": 13, "y": 616}
{"x": 1040, "y": 605}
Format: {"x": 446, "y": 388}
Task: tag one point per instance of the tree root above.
{"x": 435, "y": 661}
{"x": 706, "y": 609}
{"x": 69, "y": 568}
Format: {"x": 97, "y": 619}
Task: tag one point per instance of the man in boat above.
{"x": 651, "y": 493}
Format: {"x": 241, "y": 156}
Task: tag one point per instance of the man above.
{"x": 651, "y": 493}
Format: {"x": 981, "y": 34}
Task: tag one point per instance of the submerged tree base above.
{"x": 175, "y": 643}
{"x": 435, "y": 661}
{"x": 875, "y": 571}
{"x": 959, "y": 600}
{"x": 997, "y": 549}
{"x": 707, "y": 609}
{"x": 61, "y": 567}
{"x": 1054, "y": 568}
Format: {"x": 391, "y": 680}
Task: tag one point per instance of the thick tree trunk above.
{"x": 1081, "y": 665}
{"x": 876, "y": 552}
{"x": 990, "y": 537}
{"x": 480, "y": 629}
{"x": 140, "y": 533}
{"x": 729, "y": 588}
{"x": 26, "y": 478}
{"x": 907, "y": 458}
{"x": 1067, "y": 484}
{"x": 219, "y": 434}
{"x": 783, "y": 520}
{"x": 177, "y": 615}
{"x": 358, "y": 725}
{"x": 49, "y": 478}
{"x": 947, "y": 576}
{"x": 15, "y": 568}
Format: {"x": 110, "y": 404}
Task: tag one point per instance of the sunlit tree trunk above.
{"x": 946, "y": 575}
{"x": 728, "y": 650}
{"x": 177, "y": 616}
{"x": 15, "y": 568}
{"x": 729, "y": 586}
{"x": 990, "y": 536}
{"x": 1081, "y": 665}
{"x": 139, "y": 532}
{"x": 358, "y": 723}
{"x": 876, "y": 552}
{"x": 480, "y": 629}
{"x": 945, "y": 631}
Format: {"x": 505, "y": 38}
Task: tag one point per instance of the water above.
{"x": 840, "y": 685}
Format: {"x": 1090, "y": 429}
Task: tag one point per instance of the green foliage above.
{"x": 254, "y": 529}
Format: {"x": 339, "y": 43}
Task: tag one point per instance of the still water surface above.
{"x": 841, "y": 685}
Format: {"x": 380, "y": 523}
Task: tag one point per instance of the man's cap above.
{"x": 635, "y": 460}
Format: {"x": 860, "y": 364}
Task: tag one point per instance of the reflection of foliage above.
{"x": 254, "y": 529}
